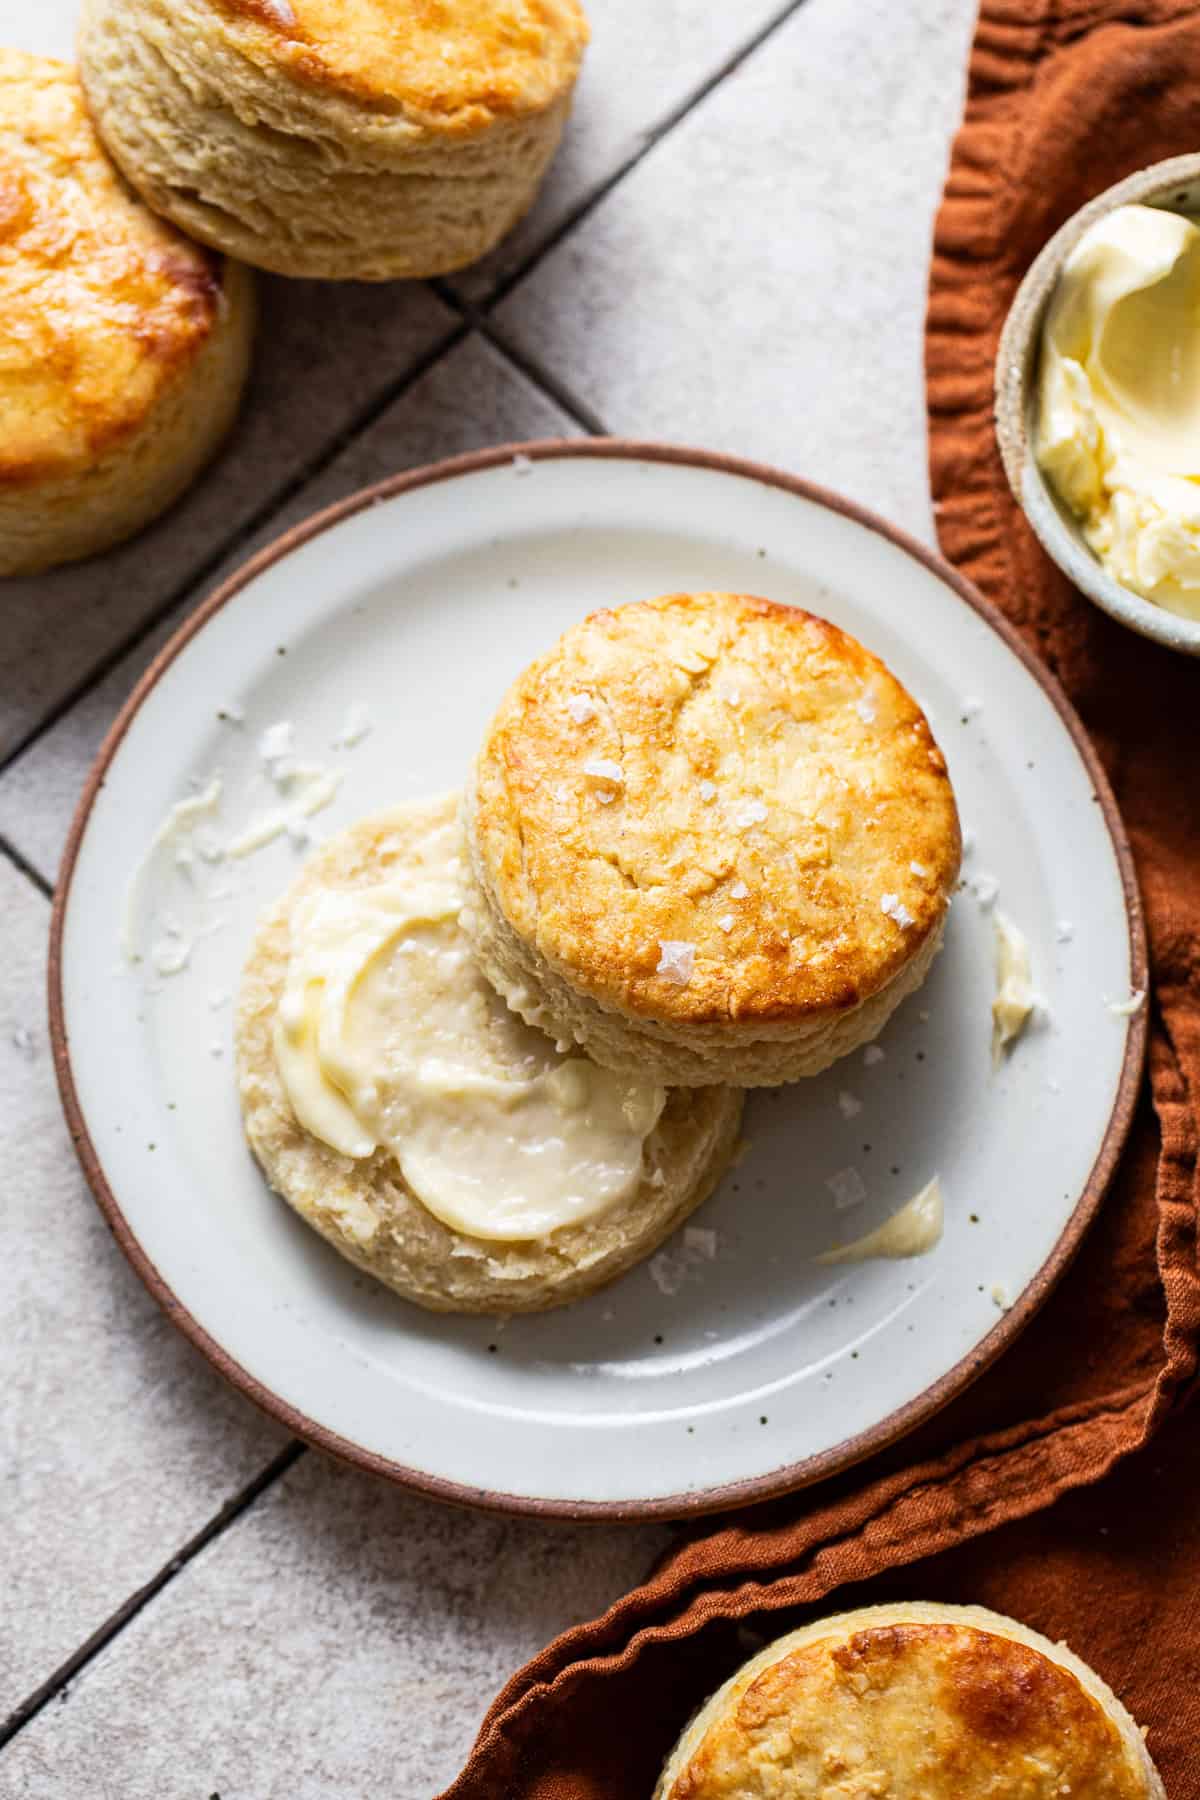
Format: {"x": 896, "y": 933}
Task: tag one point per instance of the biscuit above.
{"x": 342, "y": 139}
{"x": 935, "y": 1702}
{"x": 712, "y": 839}
{"x": 365, "y": 1208}
{"x": 124, "y": 347}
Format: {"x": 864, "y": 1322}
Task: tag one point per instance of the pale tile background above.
{"x": 731, "y": 251}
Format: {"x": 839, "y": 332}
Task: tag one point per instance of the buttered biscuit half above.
{"x": 435, "y": 1139}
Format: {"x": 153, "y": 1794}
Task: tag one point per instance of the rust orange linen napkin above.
{"x": 1064, "y": 98}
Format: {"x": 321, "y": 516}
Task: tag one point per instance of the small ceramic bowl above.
{"x": 1176, "y": 185}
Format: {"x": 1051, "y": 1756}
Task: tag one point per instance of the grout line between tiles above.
{"x": 24, "y": 867}
{"x": 128, "y": 1611}
{"x": 316, "y": 465}
{"x": 551, "y": 386}
{"x": 649, "y": 139}
{"x": 470, "y": 314}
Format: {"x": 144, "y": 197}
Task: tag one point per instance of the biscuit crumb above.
{"x": 985, "y": 888}
{"x": 849, "y": 1105}
{"x": 1064, "y": 931}
{"x": 872, "y": 1055}
{"x": 522, "y": 465}
{"x": 355, "y": 727}
{"x": 276, "y": 742}
{"x": 1125, "y": 1009}
{"x": 848, "y": 1189}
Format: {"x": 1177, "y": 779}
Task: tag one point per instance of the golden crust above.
{"x": 455, "y": 65}
{"x": 757, "y": 746}
{"x": 337, "y": 139}
{"x": 366, "y": 1210}
{"x": 106, "y": 308}
{"x": 937, "y": 1702}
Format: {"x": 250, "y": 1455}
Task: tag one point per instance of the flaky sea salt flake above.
{"x": 676, "y": 961}
{"x": 581, "y": 708}
{"x": 894, "y": 907}
{"x": 602, "y": 768}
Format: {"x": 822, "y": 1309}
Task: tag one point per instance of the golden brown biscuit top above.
{"x": 709, "y": 806}
{"x": 913, "y": 1712}
{"x": 452, "y": 64}
{"x": 100, "y": 300}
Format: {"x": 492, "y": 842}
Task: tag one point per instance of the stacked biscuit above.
{"x": 339, "y": 139}
{"x": 708, "y": 843}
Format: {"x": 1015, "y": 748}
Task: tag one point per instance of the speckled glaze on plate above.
{"x": 699, "y": 1381}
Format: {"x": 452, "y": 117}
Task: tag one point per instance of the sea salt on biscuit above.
{"x": 733, "y": 864}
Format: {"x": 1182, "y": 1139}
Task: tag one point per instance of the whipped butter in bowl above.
{"x": 1118, "y": 405}
{"x": 1098, "y": 401}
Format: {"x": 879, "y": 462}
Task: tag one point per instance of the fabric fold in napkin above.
{"x": 1064, "y": 98}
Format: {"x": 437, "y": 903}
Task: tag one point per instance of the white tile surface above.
{"x": 47, "y": 29}
{"x": 757, "y": 284}
{"x": 641, "y": 65}
{"x": 323, "y": 354}
{"x": 471, "y": 399}
{"x": 341, "y": 1639}
{"x": 117, "y": 1442}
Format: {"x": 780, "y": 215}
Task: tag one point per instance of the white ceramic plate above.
{"x": 693, "y": 1382}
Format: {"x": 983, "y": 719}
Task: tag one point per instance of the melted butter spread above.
{"x": 913, "y": 1231}
{"x": 1118, "y": 426}
{"x": 1014, "y": 1001}
{"x": 387, "y": 1036}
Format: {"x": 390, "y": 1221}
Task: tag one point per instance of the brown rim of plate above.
{"x": 733, "y": 1494}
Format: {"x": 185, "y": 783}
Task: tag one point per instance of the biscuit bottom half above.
{"x": 912, "y": 1702}
{"x": 363, "y": 1205}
